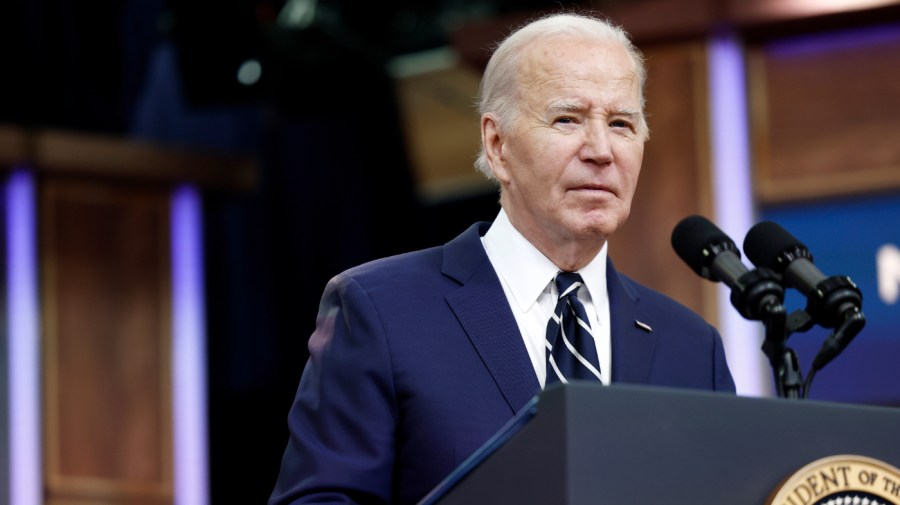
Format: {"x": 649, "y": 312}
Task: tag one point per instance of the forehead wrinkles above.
{"x": 548, "y": 65}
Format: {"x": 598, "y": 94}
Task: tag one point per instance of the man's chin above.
{"x": 590, "y": 233}
{"x": 598, "y": 226}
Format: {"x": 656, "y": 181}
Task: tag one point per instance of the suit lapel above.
{"x": 632, "y": 345}
{"x": 480, "y": 306}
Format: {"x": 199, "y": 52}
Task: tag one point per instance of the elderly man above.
{"x": 418, "y": 359}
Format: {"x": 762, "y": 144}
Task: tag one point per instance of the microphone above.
{"x": 832, "y": 302}
{"x": 714, "y": 256}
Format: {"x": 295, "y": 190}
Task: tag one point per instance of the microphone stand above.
{"x": 784, "y": 362}
{"x": 758, "y": 295}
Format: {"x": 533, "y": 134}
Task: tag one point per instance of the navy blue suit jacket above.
{"x": 417, "y": 360}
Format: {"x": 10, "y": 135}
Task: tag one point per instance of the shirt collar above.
{"x": 594, "y": 276}
{"x": 526, "y": 271}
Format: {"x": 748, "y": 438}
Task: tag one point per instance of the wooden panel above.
{"x": 674, "y": 180}
{"x": 105, "y": 268}
{"x": 69, "y": 153}
{"x": 104, "y": 156}
{"x": 436, "y": 96}
{"x": 12, "y": 145}
{"x": 661, "y": 20}
{"x": 826, "y": 115}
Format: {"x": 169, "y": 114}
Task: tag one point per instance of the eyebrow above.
{"x": 631, "y": 113}
{"x": 562, "y": 106}
{"x": 566, "y": 106}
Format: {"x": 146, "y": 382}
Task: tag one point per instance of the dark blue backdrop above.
{"x": 844, "y": 237}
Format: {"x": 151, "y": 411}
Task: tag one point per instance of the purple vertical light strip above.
{"x": 189, "y": 350}
{"x": 733, "y": 202}
{"x": 25, "y": 480}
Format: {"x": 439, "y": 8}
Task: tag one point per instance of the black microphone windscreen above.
{"x": 766, "y": 242}
{"x": 691, "y": 236}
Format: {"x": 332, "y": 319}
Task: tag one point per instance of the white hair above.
{"x": 500, "y": 93}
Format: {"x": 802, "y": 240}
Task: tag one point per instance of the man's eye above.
{"x": 623, "y": 125}
{"x": 565, "y": 120}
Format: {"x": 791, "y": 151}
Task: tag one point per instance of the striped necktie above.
{"x": 571, "y": 351}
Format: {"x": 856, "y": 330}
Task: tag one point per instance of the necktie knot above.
{"x": 567, "y": 283}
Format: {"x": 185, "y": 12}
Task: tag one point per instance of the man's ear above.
{"x": 492, "y": 139}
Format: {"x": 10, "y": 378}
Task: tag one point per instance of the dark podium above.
{"x": 589, "y": 444}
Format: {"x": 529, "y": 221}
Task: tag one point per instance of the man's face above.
{"x": 569, "y": 163}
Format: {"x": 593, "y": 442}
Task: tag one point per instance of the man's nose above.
{"x": 597, "y": 144}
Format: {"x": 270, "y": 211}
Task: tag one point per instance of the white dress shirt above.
{"x": 527, "y": 279}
